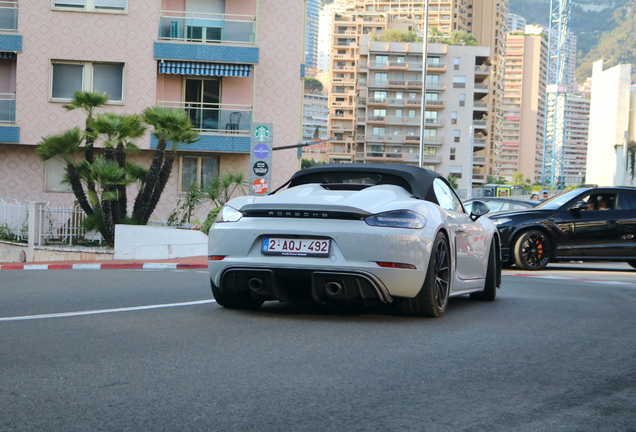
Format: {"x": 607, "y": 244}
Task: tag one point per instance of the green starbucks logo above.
{"x": 261, "y": 133}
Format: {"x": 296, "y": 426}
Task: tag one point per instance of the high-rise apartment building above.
{"x": 577, "y": 122}
{"x": 228, "y": 64}
{"x": 311, "y": 33}
{"x": 457, "y": 104}
{"x": 516, "y": 23}
{"x": 523, "y": 105}
{"x": 485, "y": 19}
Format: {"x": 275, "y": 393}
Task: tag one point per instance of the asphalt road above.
{"x": 138, "y": 350}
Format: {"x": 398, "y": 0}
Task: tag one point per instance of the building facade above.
{"x": 485, "y": 20}
{"x": 457, "y": 104}
{"x": 311, "y": 33}
{"x": 612, "y": 130}
{"x": 227, "y": 63}
{"x": 524, "y": 105}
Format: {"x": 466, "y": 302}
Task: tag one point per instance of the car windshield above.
{"x": 557, "y": 201}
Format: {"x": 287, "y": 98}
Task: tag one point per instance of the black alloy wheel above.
{"x": 432, "y": 299}
{"x": 532, "y": 250}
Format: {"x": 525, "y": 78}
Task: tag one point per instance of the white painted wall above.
{"x": 147, "y": 242}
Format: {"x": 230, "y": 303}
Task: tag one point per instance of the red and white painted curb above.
{"x": 104, "y": 266}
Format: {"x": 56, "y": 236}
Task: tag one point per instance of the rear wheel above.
{"x": 234, "y": 300}
{"x": 493, "y": 276}
{"x": 532, "y": 250}
{"x": 432, "y": 299}
{"x": 632, "y": 263}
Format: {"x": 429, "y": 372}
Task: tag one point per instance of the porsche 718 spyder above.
{"x": 360, "y": 234}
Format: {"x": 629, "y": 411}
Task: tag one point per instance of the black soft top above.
{"x": 418, "y": 181}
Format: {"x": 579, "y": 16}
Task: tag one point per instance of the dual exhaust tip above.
{"x": 332, "y": 289}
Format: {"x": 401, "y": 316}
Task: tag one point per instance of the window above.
{"x": 455, "y": 171}
{"x": 117, "y": 6}
{"x": 380, "y": 78}
{"x": 430, "y": 116}
{"x": 55, "y": 169}
{"x": 398, "y": 113}
{"x": 381, "y": 60}
{"x": 380, "y": 95}
{"x": 454, "y": 117}
{"x": 453, "y": 152}
{"x": 432, "y": 96}
{"x": 430, "y": 135}
{"x": 412, "y": 114}
{"x": 399, "y": 95}
{"x": 379, "y": 112}
{"x": 456, "y": 62}
{"x": 459, "y": 81}
{"x": 462, "y": 99}
{"x": 197, "y": 169}
{"x": 446, "y": 197}
{"x": 457, "y": 135}
{"x": 432, "y": 80}
{"x": 379, "y": 131}
{"x": 69, "y": 77}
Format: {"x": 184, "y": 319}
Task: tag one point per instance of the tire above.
{"x": 432, "y": 299}
{"x": 233, "y": 300}
{"x": 493, "y": 278}
{"x": 533, "y": 250}
{"x": 632, "y": 263}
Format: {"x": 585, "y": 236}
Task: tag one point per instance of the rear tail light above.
{"x": 215, "y": 257}
{"x": 396, "y": 265}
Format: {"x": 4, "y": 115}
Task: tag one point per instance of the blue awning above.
{"x": 7, "y": 55}
{"x": 205, "y": 69}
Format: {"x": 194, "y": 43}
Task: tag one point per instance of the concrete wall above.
{"x": 146, "y": 242}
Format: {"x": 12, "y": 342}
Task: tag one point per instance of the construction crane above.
{"x": 556, "y": 94}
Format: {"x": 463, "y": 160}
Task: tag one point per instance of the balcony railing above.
{"x": 7, "y": 107}
{"x": 216, "y": 118}
{"x": 206, "y": 27}
{"x": 8, "y": 15}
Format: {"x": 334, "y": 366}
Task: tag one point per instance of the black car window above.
{"x": 557, "y": 201}
{"x": 626, "y": 201}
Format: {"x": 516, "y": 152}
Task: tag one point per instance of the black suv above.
{"x": 566, "y": 228}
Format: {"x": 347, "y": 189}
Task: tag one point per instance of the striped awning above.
{"x": 205, "y": 69}
{"x": 7, "y": 55}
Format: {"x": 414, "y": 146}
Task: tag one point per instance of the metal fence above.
{"x": 64, "y": 225}
{"x": 14, "y": 220}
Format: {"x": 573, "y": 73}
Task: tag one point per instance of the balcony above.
{"x": 376, "y": 102}
{"x": 480, "y": 124}
{"x": 413, "y": 102}
{"x": 435, "y": 87}
{"x": 7, "y": 107}
{"x": 206, "y": 27}
{"x": 431, "y": 141}
{"x": 434, "y": 123}
{"x": 376, "y": 120}
{"x": 435, "y": 67}
{"x": 383, "y": 157}
{"x": 216, "y": 118}
{"x": 206, "y": 37}
{"x": 479, "y": 160}
{"x": 479, "y": 143}
{"x": 395, "y": 65}
{"x": 435, "y": 104}
{"x": 431, "y": 158}
{"x": 481, "y": 88}
{"x": 8, "y": 16}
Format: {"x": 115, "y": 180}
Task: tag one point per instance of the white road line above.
{"x": 576, "y": 279}
{"x": 104, "y": 311}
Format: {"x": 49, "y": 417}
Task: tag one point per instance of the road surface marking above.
{"x": 104, "y": 311}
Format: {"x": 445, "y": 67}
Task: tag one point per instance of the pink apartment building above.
{"x": 228, "y": 63}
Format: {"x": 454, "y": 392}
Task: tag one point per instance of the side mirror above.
{"x": 579, "y": 205}
{"x": 478, "y": 209}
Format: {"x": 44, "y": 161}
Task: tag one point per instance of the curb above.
{"x": 103, "y": 266}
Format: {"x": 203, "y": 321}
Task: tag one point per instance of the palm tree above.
{"x": 117, "y": 131}
{"x": 170, "y": 126}
{"x": 88, "y": 102}
{"x": 66, "y": 145}
{"x": 223, "y": 187}
{"x": 109, "y": 175}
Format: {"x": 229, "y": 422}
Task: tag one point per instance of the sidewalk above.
{"x": 175, "y": 263}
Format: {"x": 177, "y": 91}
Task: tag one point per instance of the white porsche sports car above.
{"x": 355, "y": 234}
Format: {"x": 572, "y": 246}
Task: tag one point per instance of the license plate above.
{"x": 295, "y": 247}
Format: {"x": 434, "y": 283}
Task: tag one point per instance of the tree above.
{"x": 223, "y": 187}
{"x": 170, "y": 126}
{"x": 313, "y": 86}
{"x": 106, "y": 176}
{"x": 66, "y": 145}
{"x": 306, "y": 163}
{"x": 462, "y": 37}
{"x": 517, "y": 179}
{"x": 316, "y": 135}
{"x": 452, "y": 180}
